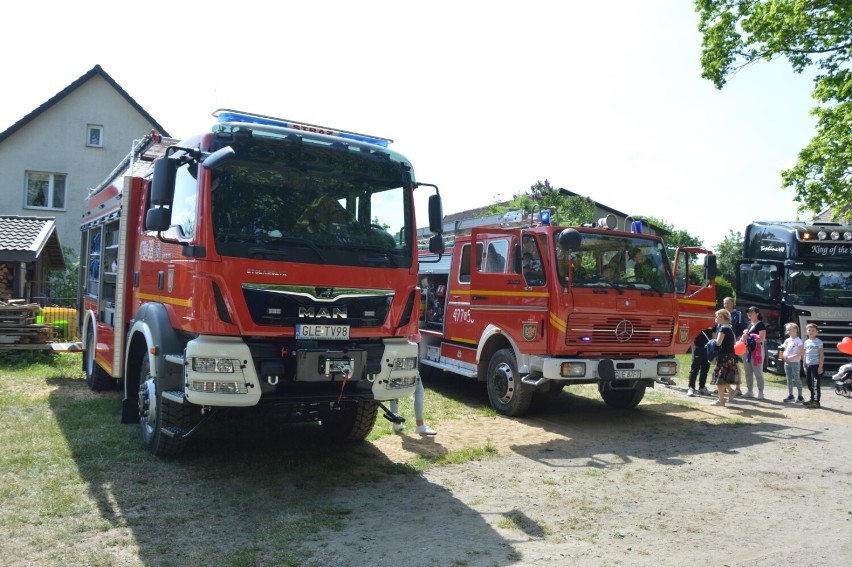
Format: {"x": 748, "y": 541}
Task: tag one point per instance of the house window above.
{"x": 95, "y": 136}
{"x": 45, "y": 190}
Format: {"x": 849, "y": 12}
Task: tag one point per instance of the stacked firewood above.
{"x": 18, "y": 327}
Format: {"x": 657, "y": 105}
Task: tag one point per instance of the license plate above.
{"x": 322, "y": 332}
{"x": 628, "y": 373}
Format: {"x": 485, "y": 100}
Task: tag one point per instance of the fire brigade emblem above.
{"x": 530, "y": 331}
{"x": 683, "y": 334}
{"x": 624, "y": 331}
{"x": 170, "y": 279}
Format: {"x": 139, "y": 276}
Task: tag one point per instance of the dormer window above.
{"x": 94, "y": 136}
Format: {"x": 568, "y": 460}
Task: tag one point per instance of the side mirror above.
{"x": 436, "y": 214}
{"x": 163, "y": 183}
{"x": 436, "y": 244}
{"x": 517, "y": 264}
{"x": 218, "y": 158}
{"x": 570, "y": 239}
{"x": 709, "y": 267}
{"x": 158, "y": 218}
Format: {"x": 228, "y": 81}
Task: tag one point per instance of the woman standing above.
{"x": 725, "y": 373}
{"x": 753, "y": 362}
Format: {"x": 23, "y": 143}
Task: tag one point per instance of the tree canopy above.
{"x": 571, "y": 210}
{"x": 810, "y": 34}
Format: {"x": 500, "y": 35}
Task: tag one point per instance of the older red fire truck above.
{"x": 531, "y": 309}
{"x": 264, "y": 261}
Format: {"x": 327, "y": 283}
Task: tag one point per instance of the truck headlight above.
{"x": 667, "y": 368}
{"x": 573, "y": 369}
{"x": 405, "y": 363}
{"x": 224, "y": 365}
{"x": 403, "y": 382}
{"x": 214, "y": 387}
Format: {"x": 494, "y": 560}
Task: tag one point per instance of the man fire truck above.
{"x": 531, "y": 309}
{"x": 265, "y": 261}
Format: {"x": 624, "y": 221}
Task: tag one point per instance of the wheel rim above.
{"x": 147, "y": 402}
{"x": 504, "y": 382}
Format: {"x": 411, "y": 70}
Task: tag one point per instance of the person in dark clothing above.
{"x": 700, "y": 365}
{"x": 725, "y": 374}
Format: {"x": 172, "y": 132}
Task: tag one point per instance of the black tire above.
{"x": 508, "y": 396}
{"x": 351, "y": 423}
{"x": 96, "y": 377}
{"x": 623, "y": 399}
{"x": 155, "y": 413}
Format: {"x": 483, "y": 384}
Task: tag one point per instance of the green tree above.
{"x": 810, "y": 34}
{"x": 723, "y": 289}
{"x": 676, "y": 237}
{"x": 62, "y": 285}
{"x": 727, "y": 253}
{"x": 570, "y": 209}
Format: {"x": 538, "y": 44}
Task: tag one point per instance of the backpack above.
{"x": 712, "y": 349}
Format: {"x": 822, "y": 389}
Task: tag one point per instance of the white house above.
{"x": 52, "y": 156}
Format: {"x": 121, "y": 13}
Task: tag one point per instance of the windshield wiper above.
{"x": 655, "y": 288}
{"x": 609, "y": 282}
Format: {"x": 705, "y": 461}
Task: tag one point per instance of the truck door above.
{"x": 506, "y": 293}
{"x": 695, "y": 286}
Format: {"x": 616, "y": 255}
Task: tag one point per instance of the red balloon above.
{"x": 739, "y": 348}
{"x": 845, "y": 346}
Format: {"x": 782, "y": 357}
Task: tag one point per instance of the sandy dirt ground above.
{"x": 675, "y": 482}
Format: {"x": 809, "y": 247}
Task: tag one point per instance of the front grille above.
{"x": 617, "y": 335}
{"x": 286, "y": 306}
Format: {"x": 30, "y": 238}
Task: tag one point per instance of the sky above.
{"x": 484, "y": 98}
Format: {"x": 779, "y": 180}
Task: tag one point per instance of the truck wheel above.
{"x": 506, "y": 393}
{"x": 623, "y": 399}
{"x": 155, "y": 413}
{"x": 96, "y": 378}
{"x": 351, "y": 423}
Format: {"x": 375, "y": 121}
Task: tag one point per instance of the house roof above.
{"x": 96, "y": 70}
{"x": 480, "y": 211}
{"x": 25, "y": 239}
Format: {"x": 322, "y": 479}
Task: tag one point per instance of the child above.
{"x": 420, "y": 425}
{"x": 793, "y": 360}
{"x": 814, "y": 358}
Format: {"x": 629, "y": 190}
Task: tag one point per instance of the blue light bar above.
{"x": 226, "y": 115}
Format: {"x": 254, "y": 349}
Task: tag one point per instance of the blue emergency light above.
{"x": 225, "y": 115}
{"x": 544, "y": 216}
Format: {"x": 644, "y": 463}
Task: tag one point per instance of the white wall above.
{"x": 55, "y": 142}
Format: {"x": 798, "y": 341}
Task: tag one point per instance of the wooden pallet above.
{"x": 18, "y": 329}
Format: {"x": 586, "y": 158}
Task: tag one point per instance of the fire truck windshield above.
{"x": 294, "y": 199}
{"x": 609, "y": 260}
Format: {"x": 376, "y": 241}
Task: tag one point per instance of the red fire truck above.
{"x": 264, "y": 261}
{"x": 531, "y": 309}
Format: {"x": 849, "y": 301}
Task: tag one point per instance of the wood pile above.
{"x": 18, "y": 327}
